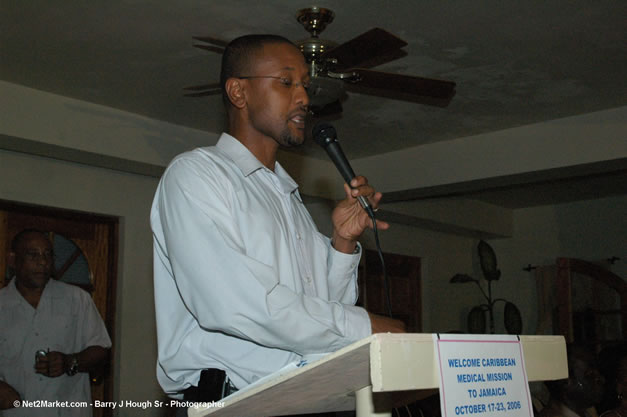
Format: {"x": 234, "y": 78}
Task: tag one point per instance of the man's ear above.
{"x": 235, "y": 92}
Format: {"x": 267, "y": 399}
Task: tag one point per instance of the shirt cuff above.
{"x": 344, "y": 263}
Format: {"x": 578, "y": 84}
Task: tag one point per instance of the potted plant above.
{"x": 477, "y": 315}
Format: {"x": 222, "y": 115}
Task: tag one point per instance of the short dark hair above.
{"x": 21, "y": 236}
{"x": 239, "y": 54}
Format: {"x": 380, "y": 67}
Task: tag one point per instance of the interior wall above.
{"x": 47, "y": 120}
{"x": 48, "y": 182}
{"x": 442, "y": 255}
{"x": 592, "y": 230}
{"x": 560, "y": 144}
{"x": 65, "y": 122}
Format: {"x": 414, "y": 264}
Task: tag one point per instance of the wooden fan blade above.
{"x": 383, "y": 59}
{"x": 209, "y": 39}
{"x": 403, "y": 87}
{"x": 216, "y": 49}
{"x": 363, "y": 48}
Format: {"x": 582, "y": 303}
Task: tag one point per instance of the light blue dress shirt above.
{"x": 244, "y": 281}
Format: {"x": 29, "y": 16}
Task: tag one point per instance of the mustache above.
{"x": 301, "y": 111}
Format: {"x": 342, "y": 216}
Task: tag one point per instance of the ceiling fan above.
{"x": 335, "y": 69}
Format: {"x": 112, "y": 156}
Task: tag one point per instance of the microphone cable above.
{"x": 386, "y": 281}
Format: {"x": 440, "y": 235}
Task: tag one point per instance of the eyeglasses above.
{"x": 284, "y": 80}
{"x": 33, "y": 256}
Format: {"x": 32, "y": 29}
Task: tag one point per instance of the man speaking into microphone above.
{"x": 244, "y": 282}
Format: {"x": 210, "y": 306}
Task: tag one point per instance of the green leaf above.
{"x": 462, "y": 279}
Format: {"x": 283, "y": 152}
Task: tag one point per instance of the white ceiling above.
{"x": 514, "y": 62}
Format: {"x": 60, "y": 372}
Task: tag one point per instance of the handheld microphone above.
{"x": 324, "y": 134}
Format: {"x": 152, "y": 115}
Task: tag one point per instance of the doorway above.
{"x": 87, "y": 247}
{"x": 405, "y": 287}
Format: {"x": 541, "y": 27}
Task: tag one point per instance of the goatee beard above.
{"x": 288, "y": 140}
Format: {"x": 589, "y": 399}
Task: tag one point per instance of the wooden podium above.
{"x": 372, "y": 376}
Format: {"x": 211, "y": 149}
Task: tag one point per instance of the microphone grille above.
{"x": 323, "y": 131}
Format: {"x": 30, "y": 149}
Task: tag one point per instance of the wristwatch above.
{"x": 73, "y": 370}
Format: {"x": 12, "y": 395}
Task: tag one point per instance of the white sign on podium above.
{"x": 482, "y": 375}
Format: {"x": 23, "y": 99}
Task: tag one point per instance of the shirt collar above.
{"x": 239, "y": 154}
{"x": 14, "y": 297}
{"x": 12, "y": 293}
{"x": 248, "y": 163}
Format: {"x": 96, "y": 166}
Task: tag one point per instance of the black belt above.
{"x": 213, "y": 385}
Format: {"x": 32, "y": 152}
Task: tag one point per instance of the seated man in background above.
{"x": 577, "y": 395}
{"x": 51, "y": 334}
